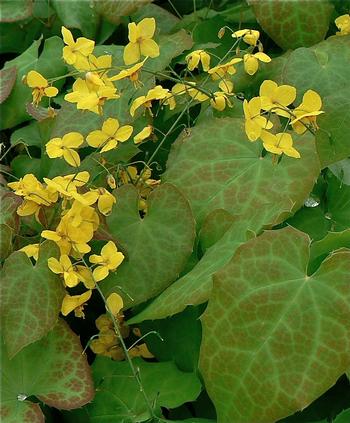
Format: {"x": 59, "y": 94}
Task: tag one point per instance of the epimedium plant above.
{"x": 198, "y": 273}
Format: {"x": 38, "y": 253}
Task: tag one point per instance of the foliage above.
{"x": 175, "y": 227}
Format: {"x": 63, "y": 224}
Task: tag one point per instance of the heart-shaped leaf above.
{"x": 52, "y": 369}
{"x": 218, "y": 168}
{"x": 31, "y": 298}
{"x": 274, "y": 337}
{"x": 156, "y": 247}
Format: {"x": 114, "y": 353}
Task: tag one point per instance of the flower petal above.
{"x": 149, "y": 48}
{"x": 71, "y": 157}
{"x": 101, "y": 272}
{"x": 131, "y": 53}
{"x": 146, "y": 27}
{"x": 124, "y": 133}
{"x": 110, "y": 126}
{"x": 114, "y": 303}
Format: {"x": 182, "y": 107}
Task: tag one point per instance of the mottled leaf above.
{"x": 31, "y": 298}
{"x": 12, "y": 11}
{"x": 289, "y": 22}
{"x": 165, "y": 20}
{"x": 114, "y": 10}
{"x": 9, "y": 221}
{"x": 274, "y": 337}
{"x": 156, "y": 247}
{"x": 52, "y": 369}
{"x": 217, "y": 168}
{"x": 7, "y": 80}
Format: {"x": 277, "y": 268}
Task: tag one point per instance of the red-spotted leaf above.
{"x": 52, "y": 369}
{"x": 31, "y": 298}
{"x": 274, "y": 337}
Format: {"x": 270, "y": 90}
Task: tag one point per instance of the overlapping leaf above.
{"x": 217, "y": 168}
{"x": 275, "y": 338}
{"x": 119, "y": 395}
{"x": 31, "y": 298}
{"x": 324, "y": 68}
{"x": 52, "y": 369}
{"x": 156, "y": 247}
{"x": 49, "y": 64}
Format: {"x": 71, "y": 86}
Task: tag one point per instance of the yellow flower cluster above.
{"x": 107, "y": 344}
{"x": 343, "y": 24}
{"x": 276, "y": 100}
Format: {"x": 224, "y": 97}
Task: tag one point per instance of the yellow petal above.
{"x": 34, "y": 79}
{"x": 144, "y": 134}
{"x": 109, "y": 250}
{"x": 252, "y": 130}
{"x": 51, "y": 91}
{"x": 115, "y": 303}
{"x": 262, "y": 57}
{"x": 70, "y": 302}
{"x": 192, "y": 60}
{"x": 70, "y": 279}
{"x": 268, "y": 88}
{"x": 96, "y": 138}
{"x": 124, "y": 133}
{"x": 53, "y": 236}
{"x": 84, "y": 46}
{"x": 312, "y": 101}
{"x": 149, "y": 48}
{"x": 105, "y": 203}
{"x": 131, "y": 53}
{"x": 136, "y": 104}
{"x": 251, "y": 64}
{"x": 100, "y": 273}
{"x": 73, "y": 140}
{"x": 113, "y": 143}
{"x": 110, "y": 126}
{"x": 67, "y": 36}
{"x": 68, "y": 55}
{"x": 146, "y": 27}
{"x": 54, "y": 265}
{"x": 54, "y": 148}
{"x": 205, "y": 59}
{"x": 71, "y": 157}
{"x": 133, "y": 32}
{"x": 286, "y": 94}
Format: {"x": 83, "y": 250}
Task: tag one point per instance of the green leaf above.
{"x": 341, "y": 170}
{"x": 343, "y": 417}
{"x": 77, "y": 14}
{"x": 53, "y": 369}
{"x": 156, "y": 247}
{"x": 338, "y": 200}
{"x": 49, "y": 64}
{"x": 12, "y": 11}
{"x": 31, "y": 298}
{"x": 331, "y": 242}
{"x": 288, "y": 22}
{"x": 119, "y": 396}
{"x": 181, "y": 338}
{"x": 216, "y": 167}
{"x": 312, "y": 221}
{"x": 114, "y": 10}
{"x": 275, "y": 338}
{"x": 214, "y": 227}
{"x": 323, "y": 68}
{"x": 7, "y": 80}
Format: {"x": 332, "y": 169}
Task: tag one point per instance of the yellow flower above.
{"x": 250, "y": 36}
{"x": 220, "y": 71}
{"x": 40, "y": 86}
{"x": 34, "y": 193}
{"x": 197, "y": 56}
{"x": 67, "y": 185}
{"x": 141, "y": 43}
{"x": 254, "y": 122}
{"x": 109, "y": 260}
{"x": 156, "y": 93}
{"x": 64, "y": 147}
{"x": 131, "y": 73}
{"x": 85, "y": 276}
{"x": 251, "y": 61}
{"x": 220, "y": 101}
{"x": 226, "y": 86}
{"x": 189, "y": 88}
{"x": 343, "y": 24}
{"x": 115, "y": 303}
{"x": 69, "y": 237}
{"x": 76, "y": 52}
{"x": 276, "y": 98}
{"x": 31, "y": 250}
{"x": 144, "y": 134}
{"x": 110, "y": 135}
{"x": 89, "y": 96}
{"x": 64, "y": 267}
{"x": 305, "y": 114}
{"x": 105, "y": 200}
{"x": 279, "y": 143}
{"x": 75, "y": 303}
